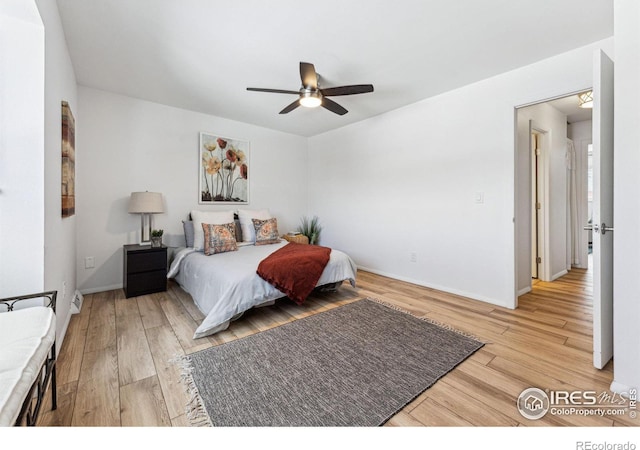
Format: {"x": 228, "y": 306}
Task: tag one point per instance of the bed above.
{"x": 27, "y": 356}
{"x": 225, "y": 285}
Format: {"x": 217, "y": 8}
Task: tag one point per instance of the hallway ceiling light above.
{"x": 585, "y": 100}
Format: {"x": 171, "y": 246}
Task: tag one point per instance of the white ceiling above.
{"x": 569, "y": 106}
{"x": 201, "y": 55}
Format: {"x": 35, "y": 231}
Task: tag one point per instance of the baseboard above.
{"x": 63, "y": 333}
{"x": 620, "y": 388}
{"x": 100, "y": 289}
{"x": 559, "y": 274}
{"x": 449, "y": 290}
{"x": 523, "y": 291}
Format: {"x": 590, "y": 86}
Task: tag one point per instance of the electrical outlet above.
{"x": 413, "y": 257}
{"x": 64, "y": 289}
{"x": 89, "y": 262}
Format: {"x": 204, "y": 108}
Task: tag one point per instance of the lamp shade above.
{"x": 146, "y": 202}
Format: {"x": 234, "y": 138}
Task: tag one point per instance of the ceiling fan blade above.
{"x": 347, "y": 90}
{"x": 275, "y": 91}
{"x": 333, "y": 107}
{"x": 308, "y": 75}
{"x": 290, "y": 107}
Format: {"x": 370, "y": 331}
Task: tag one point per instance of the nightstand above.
{"x": 299, "y": 238}
{"x": 145, "y": 269}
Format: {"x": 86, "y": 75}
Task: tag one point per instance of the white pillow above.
{"x": 211, "y": 217}
{"x": 246, "y": 225}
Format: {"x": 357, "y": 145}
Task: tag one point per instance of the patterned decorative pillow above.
{"x": 219, "y": 238}
{"x": 245, "y": 216}
{"x": 211, "y": 217}
{"x": 189, "y": 235}
{"x": 266, "y": 231}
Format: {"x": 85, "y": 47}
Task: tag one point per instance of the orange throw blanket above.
{"x": 295, "y": 269}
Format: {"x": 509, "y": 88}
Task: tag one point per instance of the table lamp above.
{"x": 145, "y": 204}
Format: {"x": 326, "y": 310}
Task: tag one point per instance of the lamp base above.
{"x": 145, "y": 229}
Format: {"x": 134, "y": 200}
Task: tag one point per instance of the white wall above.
{"x": 59, "y": 233}
{"x": 22, "y": 234}
{"x": 581, "y": 134}
{"x": 127, "y": 145}
{"x": 554, "y": 210}
{"x": 406, "y": 181}
{"x": 626, "y": 264}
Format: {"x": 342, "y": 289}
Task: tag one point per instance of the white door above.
{"x": 602, "y": 210}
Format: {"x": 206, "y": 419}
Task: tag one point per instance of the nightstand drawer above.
{"x": 146, "y": 283}
{"x": 146, "y": 261}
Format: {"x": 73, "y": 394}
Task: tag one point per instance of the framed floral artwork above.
{"x": 224, "y": 170}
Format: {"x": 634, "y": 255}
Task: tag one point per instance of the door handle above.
{"x": 605, "y": 228}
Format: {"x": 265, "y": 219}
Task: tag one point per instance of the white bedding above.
{"x": 27, "y": 337}
{"x": 225, "y": 285}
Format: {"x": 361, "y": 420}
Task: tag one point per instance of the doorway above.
{"x": 551, "y": 190}
{"x": 557, "y": 194}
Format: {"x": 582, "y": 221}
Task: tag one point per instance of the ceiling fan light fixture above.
{"x": 585, "y": 100}
{"x": 310, "y": 99}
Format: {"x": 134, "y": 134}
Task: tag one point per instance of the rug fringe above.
{"x": 194, "y": 410}
{"x": 425, "y": 319}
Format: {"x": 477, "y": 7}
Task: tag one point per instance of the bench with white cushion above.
{"x": 27, "y": 357}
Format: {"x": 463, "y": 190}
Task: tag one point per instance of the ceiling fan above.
{"x": 311, "y": 95}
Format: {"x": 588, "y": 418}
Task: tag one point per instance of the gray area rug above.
{"x": 355, "y": 365}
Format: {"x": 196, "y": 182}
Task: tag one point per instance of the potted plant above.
{"x": 156, "y": 238}
{"x": 311, "y": 228}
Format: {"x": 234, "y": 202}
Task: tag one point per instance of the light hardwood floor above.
{"x": 115, "y": 366}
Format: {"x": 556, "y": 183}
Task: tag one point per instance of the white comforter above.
{"x": 225, "y": 285}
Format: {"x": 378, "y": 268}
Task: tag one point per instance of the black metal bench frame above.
{"x": 31, "y": 406}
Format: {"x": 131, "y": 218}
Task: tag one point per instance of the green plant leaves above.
{"x": 311, "y": 228}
